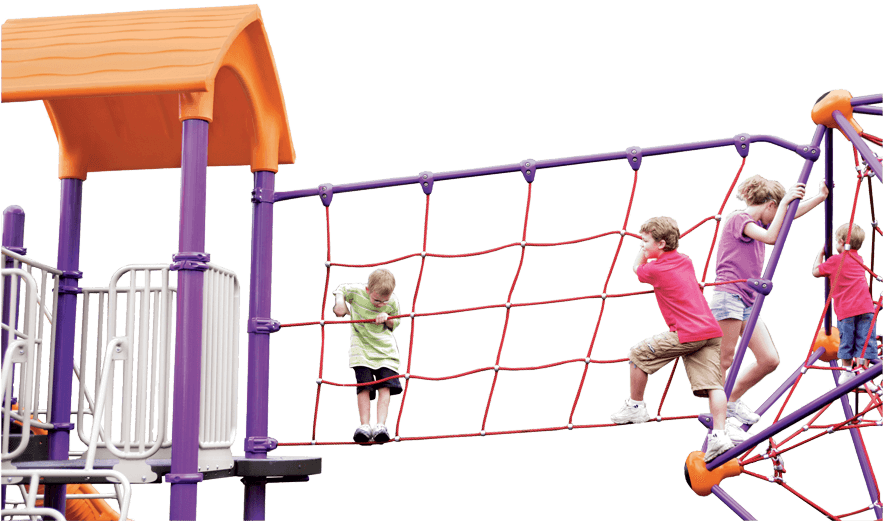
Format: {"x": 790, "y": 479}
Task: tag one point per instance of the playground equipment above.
{"x": 234, "y": 83}
{"x": 111, "y": 110}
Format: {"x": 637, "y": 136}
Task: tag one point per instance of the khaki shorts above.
{"x": 702, "y": 359}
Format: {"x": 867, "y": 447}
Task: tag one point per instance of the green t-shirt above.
{"x": 371, "y": 345}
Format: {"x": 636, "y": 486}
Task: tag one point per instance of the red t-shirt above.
{"x": 850, "y": 295}
{"x": 677, "y": 292}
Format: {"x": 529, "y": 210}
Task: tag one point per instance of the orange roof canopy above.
{"x": 116, "y": 86}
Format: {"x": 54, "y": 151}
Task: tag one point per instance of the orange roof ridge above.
{"x": 111, "y": 84}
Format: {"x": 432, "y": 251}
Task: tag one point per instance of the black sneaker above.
{"x": 381, "y": 435}
{"x": 362, "y": 434}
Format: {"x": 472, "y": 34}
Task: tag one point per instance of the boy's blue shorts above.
{"x": 853, "y": 332}
{"x": 366, "y": 375}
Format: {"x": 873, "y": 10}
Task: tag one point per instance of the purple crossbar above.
{"x": 858, "y": 143}
{"x": 874, "y": 111}
{"x": 543, "y": 163}
{"x": 866, "y": 100}
{"x": 730, "y": 502}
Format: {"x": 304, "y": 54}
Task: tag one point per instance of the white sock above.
{"x": 633, "y": 402}
{"x": 716, "y": 433}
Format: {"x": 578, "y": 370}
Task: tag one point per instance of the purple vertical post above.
{"x": 13, "y": 240}
{"x": 257, "y": 443}
{"x": 190, "y": 264}
{"x": 65, "y": 325}
{"x": 829, "y": 215}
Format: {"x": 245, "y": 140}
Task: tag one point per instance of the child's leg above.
{"x": 364, "y": 399}
{"x": 382, "y": 405}
{"x": 766, "y": 360}
{"x": 717, "y": 404}
{"x": 731, "y": 328}
{"x": 637, "y": 382}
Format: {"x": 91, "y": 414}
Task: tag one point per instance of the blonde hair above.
{"x": 663, "y": 229}
{"x": 757, "y": 190}
{"x": 382, "y": 282}
{"x": 857, "y": 238}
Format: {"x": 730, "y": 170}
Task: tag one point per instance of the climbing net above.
{"x": 586, "y": 357}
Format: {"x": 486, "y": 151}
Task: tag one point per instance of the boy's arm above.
{"x": 640, "y": 260}
{"x": 819, "y": 259}
{"x": 340, "y": 308}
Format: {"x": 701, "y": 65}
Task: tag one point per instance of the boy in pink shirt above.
{"x": 693, "y": 334}
{"x": 851, "y": 298}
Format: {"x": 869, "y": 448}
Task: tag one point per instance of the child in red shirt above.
{"x": 852, "y": 300}
{"x": 693, "y": 334}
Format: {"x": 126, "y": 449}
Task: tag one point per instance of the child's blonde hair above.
{"x": 381, "y": 282}
{"x": 757, "y": 190}
{"x": 663, "y": 229}
{"x": 855, "y": 240}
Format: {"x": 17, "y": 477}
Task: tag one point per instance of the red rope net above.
{"x": 774, "y": 450}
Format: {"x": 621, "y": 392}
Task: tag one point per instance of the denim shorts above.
{"x": 729, "y": 305}
{"x": 853, "y": 332}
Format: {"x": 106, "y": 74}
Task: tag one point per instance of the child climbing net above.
{"x": 586, "y": 357}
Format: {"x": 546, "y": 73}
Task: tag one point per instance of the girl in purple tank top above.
{"x": 740, "y": 255}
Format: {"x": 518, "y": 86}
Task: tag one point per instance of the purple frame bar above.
{"x": 259, "y": 300}
{"x": 829, "y": 216}
{"x": 730, "y": 502}
{"x": 786, "y": 385}
{"x": 543, "y": 163}
{"x": 866, "y": 100}
{"x": 874, "y": 111}
{"x": 188, "y": 343}
{"x": 13, "y": 239}
{"x": 65, "y": 326}
{"x": 858, "y": 143}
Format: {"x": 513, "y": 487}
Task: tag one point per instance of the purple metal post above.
{"x": 874, "y": 111}
{"x": 65, "y": 325}
{"x": 188, "y": 345}
{"x": 866, "y": 100}
{"x": 770, "y": 269}
{"x": 829, "y": 215}
{"x": 730, "y": 502}
{"x": 859, "y": 144}
{"x": 13, "y": 240}
{"x": 259, "y": 299}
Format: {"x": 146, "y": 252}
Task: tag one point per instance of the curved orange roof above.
{"x": 117, "y": 86}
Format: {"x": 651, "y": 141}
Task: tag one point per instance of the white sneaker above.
{"x": 630, "y": 414}
{"x": 741, "y": 412}
{"x": 736, "y": 434}
{"x": 846, "y": 376}
{"x": 717, "y": 445}
{"x": 381, "y": 435}
{"x": 363, "y": 434}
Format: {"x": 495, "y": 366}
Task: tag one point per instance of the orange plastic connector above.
{"x": 823, "y": 110}
{"x": 700, "y": 479}
{"x": 831, "y": 343}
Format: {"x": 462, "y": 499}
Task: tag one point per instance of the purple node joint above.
{"x": 263, "y": 195}
{"x": 529, "y": 169}
{"x": 633, "y": 154}
{"x": 62, "y": 426}
{"x": 762, "y": 286}
{"x": 260, "y": 444}
{"x": 706, "y": 420}
{"x": 263, "y": 325}
{"x": 326, "y": 192}
{"x": 425, "y": 182}
{"x": 190, "y": 261}
{"x": 808, "y": 152}
{"x": 742, "y": 142}
{"x": 21, "y": 250}
{"x": 194, "y": 477}
{"x": 64, "y": 286}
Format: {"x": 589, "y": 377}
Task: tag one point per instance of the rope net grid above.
{"x": 506, "y": 310}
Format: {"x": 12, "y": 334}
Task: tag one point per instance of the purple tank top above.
{"x": 739, "y": 257}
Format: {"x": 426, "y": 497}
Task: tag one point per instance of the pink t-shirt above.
{"x": 850, "y": 294}
{"x": 677, "y": 292}
{"x": 739, "y": 257}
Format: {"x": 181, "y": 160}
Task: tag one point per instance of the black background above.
{"x": 370, "y": 99}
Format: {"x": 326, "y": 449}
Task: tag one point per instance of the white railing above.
{"x": 220, "y": 358}
{"x": 28, "y": 506}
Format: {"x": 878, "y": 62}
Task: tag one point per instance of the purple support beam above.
{"x": 730, "y": 502}
{"x": 866, "y": 100}
{"x": 188, "y": 345}
{"x": 770, "y": 269}
{"x": 257, "y": 413}
{"x": 13, "y": 240}
{"x": 787, "y": 384}
{"x": 858, "y": 143}
{"x": 829, "y": 216}
{"x": 789, "y": 420}
{"x": 65, "y": 325}
{"x": 546, "y": 163}
{"x": 874, "y": 111}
